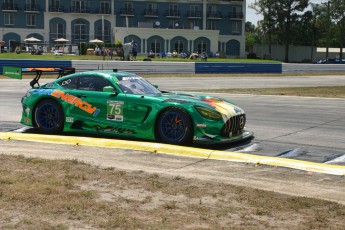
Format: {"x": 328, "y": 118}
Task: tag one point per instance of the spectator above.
{"x": 151, "y": 54}
{"x": 183, "y": 55}
{"x": 203, "y": 56}
{"x": 163, "y": 54}
{"x": 194, "y": 55}
{"x": 97, "y": 51}
{"x": 134, "y": 50}
{"x": 174, "y": 54}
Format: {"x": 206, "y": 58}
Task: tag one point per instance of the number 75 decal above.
{"x": 115, "y": 110}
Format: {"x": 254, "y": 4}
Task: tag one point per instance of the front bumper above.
{"x": 245, "y": 135}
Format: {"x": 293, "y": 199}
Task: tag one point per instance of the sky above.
{"x": 254, "y": 18}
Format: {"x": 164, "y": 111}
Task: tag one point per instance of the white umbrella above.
{"x": 61, "y": 40}
{"x": 96, "y": 41}
{"x": 32, "y": 39}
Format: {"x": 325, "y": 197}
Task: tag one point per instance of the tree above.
{"x": 251, "y": 36}
{"x": 266, "y": 8}
{"x": 337, "y": 9}
{"x": 286, "y": 18}
{"x": 280, "y": 17}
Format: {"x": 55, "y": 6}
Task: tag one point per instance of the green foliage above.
{"x": 82, "y": 48}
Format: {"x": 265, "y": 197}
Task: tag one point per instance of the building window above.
{"x": 212, "y": 9}
{"x": 202, "y": 47}
{"x": 173, "y": 7}
{"x": 236, "y": 27}
{"x": 80, "y": 31}
{"x": 178, "y": 46}
{"x": 31, "y": 5}
{"x": 212, "y": 12}
{"x": 9, "y": 19}
{"x": 128, "y": 8}
{"x": 57, "y": 31}
{"x": 155, "y": 46}
{"x": 9, "y": 4}
{"x": 195, "y": 11}
{"x": 31, "y": 20}
{"x": 151, "y": 9}
{"x": 55, "y": 4}
{"x": 173, "y": 10}
{"x": 236, "y": 12}
{"x": 105, "y": 7}
{"x": 30, "y": 2}
{"x": 211, "y": 25}
{"x": 103, "y": 34}
{"x": 152, "y": 6}
{"x": 81, "y": 6}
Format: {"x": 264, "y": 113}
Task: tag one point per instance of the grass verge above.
{"x": 67, "y": 194}
{"x": 139, "y": 58}
{"x": 321, "y": 91}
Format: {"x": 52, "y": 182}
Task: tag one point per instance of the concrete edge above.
{"x": 160, "y": 148}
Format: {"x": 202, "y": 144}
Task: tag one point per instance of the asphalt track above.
{"x": 294, "y": 132}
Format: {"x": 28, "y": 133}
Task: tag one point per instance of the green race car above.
{"x": 125, "y": 104}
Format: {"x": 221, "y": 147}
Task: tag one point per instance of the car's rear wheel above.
{"x": 49, "y": 116}
{"x": 174, "y": 126}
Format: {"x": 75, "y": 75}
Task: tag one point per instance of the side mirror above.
{"x": 108, "y": 89}
{"x": 156, "y": 86}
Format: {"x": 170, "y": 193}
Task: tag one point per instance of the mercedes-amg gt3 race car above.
{"x": 125, "y": 104}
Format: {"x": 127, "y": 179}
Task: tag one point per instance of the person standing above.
{"x": 134, "y": 50}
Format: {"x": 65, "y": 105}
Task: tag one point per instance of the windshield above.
{"x": 136, "y": 85}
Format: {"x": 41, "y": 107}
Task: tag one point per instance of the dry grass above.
{"x": 321, "y": 91}
{"x": 45, "y": 194}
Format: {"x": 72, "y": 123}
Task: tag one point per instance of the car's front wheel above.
{"x": 174, "y": 126}
{"x": 49, "y": 116}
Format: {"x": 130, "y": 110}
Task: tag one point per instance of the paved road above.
{"x": 296, "y": 127}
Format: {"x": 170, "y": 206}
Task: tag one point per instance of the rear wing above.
{"x": 17, "y": 72}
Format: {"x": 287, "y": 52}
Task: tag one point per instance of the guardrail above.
{"x": 156, "y": 67}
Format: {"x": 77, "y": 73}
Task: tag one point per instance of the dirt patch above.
{"x": 100, "y": 188}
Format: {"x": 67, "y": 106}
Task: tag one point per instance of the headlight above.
{"x": 209, "y": 113}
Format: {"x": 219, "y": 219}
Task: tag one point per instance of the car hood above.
{"x": 226, "y": 108}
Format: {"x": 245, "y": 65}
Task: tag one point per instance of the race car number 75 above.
{"x": 115, "y": 110}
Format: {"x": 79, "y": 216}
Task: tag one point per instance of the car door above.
{"x": 99, "y": 106}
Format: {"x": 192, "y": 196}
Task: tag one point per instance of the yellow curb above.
{"x": 179, "y": 150}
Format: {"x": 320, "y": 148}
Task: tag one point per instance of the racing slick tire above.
{"x": 49, "y": 117}
{"x": 174, "y": 126}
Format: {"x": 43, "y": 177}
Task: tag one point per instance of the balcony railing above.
{"x": 194, "y": 14}
{"x": 100, "y": 10}
{"x": 80, "y": 10}
{"x": 32, "y": 7}
{"x": 236, "y": 15}
{"x": 10, "y": 7}
{"x": 172, "y": 13}
{"x": 214, "y": 15}
{"x": 127, "y": 11}
{"x": 57, "y": 9}
{"x": 151, "y": 13}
